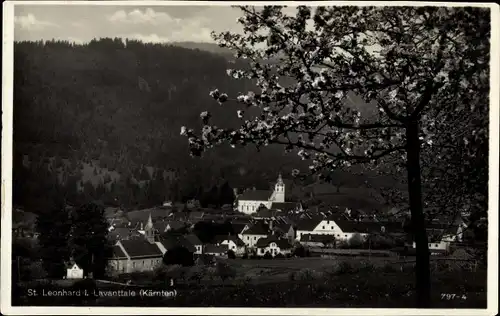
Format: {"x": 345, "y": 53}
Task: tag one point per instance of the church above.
{"x": 250, "y": 200}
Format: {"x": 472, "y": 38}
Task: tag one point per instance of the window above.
{"x": 142, "y": 262}
{"x": 133, "y": 264}
{"x": 331, "y": 228}
{"x": 436, "y": 245}
{"x": 338, "y": 235}
{"x": 323, "y": 227}
{"x": 346, "y": 236}
{"x": 255, "y": 238}
{"x": 328, "y": 222}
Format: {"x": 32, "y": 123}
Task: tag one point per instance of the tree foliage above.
{"x": 178, "y": 256}
{"x": 54, "y": 227}
{"x": 88, "y": 240}
{"x": 96, "y": 116}
{"x": 413, "y": 73}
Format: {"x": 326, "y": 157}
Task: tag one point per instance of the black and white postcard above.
{"x": 244, "y": 158}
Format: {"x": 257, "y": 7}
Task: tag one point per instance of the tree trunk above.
{"x": 423, "y": 284}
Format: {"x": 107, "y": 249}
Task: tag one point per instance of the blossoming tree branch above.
{"x": 418, "y": 70}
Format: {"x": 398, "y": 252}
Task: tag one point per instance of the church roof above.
{"x": 140, "y": 249}
{"x": 284, "y": 206}
{"x": 255, "y": 195}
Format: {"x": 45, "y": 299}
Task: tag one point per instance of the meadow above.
{"x": 305, "y": 282}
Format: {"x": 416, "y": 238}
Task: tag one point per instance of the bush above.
{"x": 268, "y": 255}
{"x": 178, "y": 255}
{"x": 245, "y": 256}
{"x": 37, "y": 271}
{"x": 344, "y": 267}
{"x": 356, "y": 241}
{"x": 388, "y": 268}
{"x": 225, "y": 271}
{"x": 366, "y": 266}
{"x": 280, "y": 256}
{"x": 196, "y": 273}
{"x": 299, "y": 251}
{"x": 306, "y": 275}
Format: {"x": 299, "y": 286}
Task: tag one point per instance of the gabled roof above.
{"x": 238, "y": 227}
{"x": 118, "y": 253}
{"x": 255, "y": 195}
{"x": 175, "y": 224}
{"x": 211, "y": 248}
{"x": 142, "y": 215}
{"x": 193, "y": 239}
{"x": 284, "y": 206}
{"x": 283, "y": 226}
{"x": 171, "y": 241}
{"x": 257, "y": 229}
{"x": 140, "y": 249}
{"x": 267, "y": 213}
{"x": 235, "y": 239}
{"x": 308, "y": 224}
{"x": 281, "y": 243}
{"x": 122, "y": 233}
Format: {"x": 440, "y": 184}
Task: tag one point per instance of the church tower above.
{"x": 149, "y": 231}
{"x": 279, "y": 190}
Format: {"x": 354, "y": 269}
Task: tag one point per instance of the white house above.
{"x": 439, "y": 246}
{"x": 341, "y": 229}
{"x": 274, "y": 246}
{"x": 233, "y": 243}
{"x": 74, "y": 272}
{"x": 255, "y": 232}
{"x": 251, "y": 200}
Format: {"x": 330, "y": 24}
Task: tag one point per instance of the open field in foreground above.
{"x": 307, "y": 282}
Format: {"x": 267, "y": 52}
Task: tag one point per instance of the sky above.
{"x": 150, "y": 24}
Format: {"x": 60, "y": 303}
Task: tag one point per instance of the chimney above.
{"x": 271, "y": 225}
{"x": 141, "y": 226}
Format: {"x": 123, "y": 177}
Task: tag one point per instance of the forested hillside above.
{"x": 102, "y": 121}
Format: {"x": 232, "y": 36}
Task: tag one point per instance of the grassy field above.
{"x": 306, "y": 282}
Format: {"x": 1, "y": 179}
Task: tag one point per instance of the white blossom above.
{"x": 183, "y": 130}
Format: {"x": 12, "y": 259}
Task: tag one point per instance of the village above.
{"x": 263, "y": 224}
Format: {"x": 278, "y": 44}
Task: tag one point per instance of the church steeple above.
{"x": 149, "y": 230}
{"x": 279, "y": 190}
{"x": 280, "y": 180}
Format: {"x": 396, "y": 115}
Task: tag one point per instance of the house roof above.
{"x": 255, "y": 195}
{"x": 171, "y": 241}
{"x": 281, "y": 243}
{"x": 284, "y": 206}
{"x": 267, "y": 213}
{"x": 238, "y": 227}
{"x": 317, "y": 238}
{"x": 257, "y": 229}
{"x": 308, "y": 224}
{"x": 235, "y": 239}
{"x": 121, "y": 233}
{"x": 142, "y": 215}
{"x": 211, "y": 248}
{"x": 175, "y": 224}
{"x": 283, "y": 226}
{"x": 118, "y": 253}
{"x": 140, "y": 248}
{"x": 193, "y": 239}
